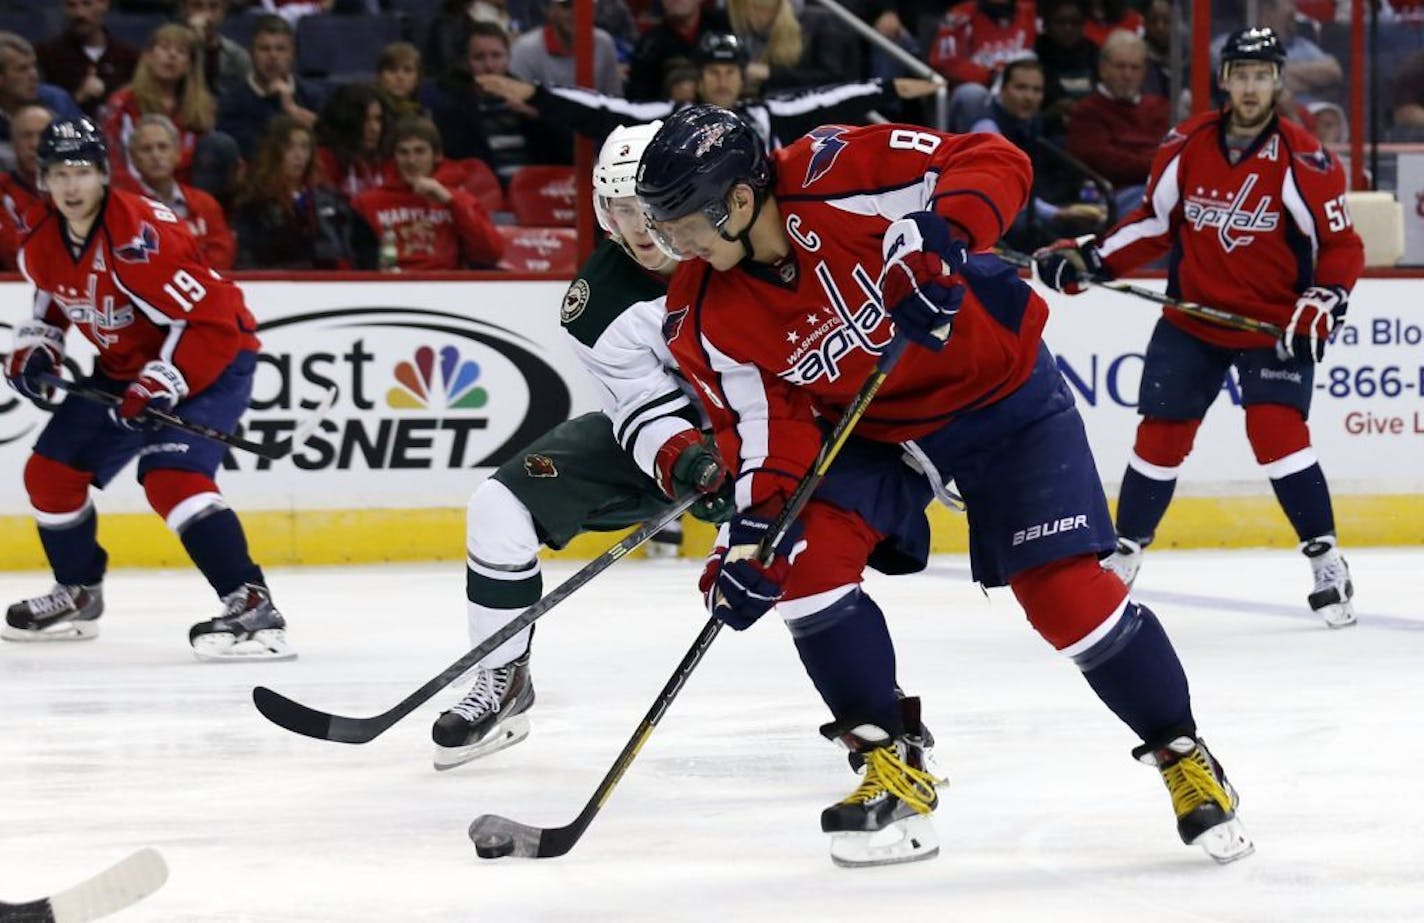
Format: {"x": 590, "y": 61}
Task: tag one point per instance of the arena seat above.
{"x": 529, "y": 249}
{"x": 543, "y": 196}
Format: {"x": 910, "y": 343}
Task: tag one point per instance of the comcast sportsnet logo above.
{"x": 422, "y": 384}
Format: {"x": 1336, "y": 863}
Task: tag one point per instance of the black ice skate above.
{"x": 493, "y": 715}
{"x": 65, "y": 613}
{"x": 1330, "y": 599}
{"x": 249, "y": 629}
{"x": 1125, "y": 561}
{"x": 886, "y": 820}
{"x": 1203, "y": 799}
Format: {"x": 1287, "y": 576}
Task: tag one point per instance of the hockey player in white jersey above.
{"x": 596, "y": 472}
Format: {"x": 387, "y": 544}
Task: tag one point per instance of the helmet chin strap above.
{"x": 745, "y": 236}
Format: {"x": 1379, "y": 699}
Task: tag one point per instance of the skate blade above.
{"x": 266, "y": 646}
{"x": 1338, "y": 616}
{"x": 505, "y": 735}
{"x": 86, "y": 630}
{"x": 1226, "y": 842}
{"x": 910, "y": 840}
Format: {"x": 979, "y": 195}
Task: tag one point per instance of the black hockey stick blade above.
{"x": 309, "y": 722}
{"x": 107, "y": 893}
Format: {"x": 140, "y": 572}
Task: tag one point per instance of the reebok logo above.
{"x": 1045, "y": 529}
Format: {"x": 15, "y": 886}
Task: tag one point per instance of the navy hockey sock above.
{"x": 1306, "y": 500}
{"x": 848, "y": 654}
{"x": 1135, "y": 671}
{"x": 74, "y": 552}
{"x": 1141, "y": 504}
{"x": 216, "y": 544}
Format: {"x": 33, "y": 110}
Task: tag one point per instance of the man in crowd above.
{"x": 20, "y": 86}
{"x": 84, "y": 59}
{"x": 546, "y": 55}
{"x": 153, "y": 150}
{"x": 271, "y": 89}
{"x": 19, "y": 188}
{"x": 670, "y": 43}
{"x": 225, "y": 62}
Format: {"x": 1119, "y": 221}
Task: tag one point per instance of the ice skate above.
{"x": 249, "y": 629}
{"x": 65, "y": 613}
{"x": 886, "y": 820}
{"x": 1331, "y": 598}
{"x": 665, "y": 545}
{"x": 1125, "y": 561}
{"x": 1203, "y": 799}
{"x": 493, "y": 715}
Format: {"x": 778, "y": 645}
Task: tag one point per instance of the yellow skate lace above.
{"x": 1192, "y": 784}
{"x": 886, "y": 772}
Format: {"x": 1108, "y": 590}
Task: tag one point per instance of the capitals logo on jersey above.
{"x": 103, "y": 318}
{"x": 145, "y": 242}
{"x": 1236, "y": 225}
{"x": 824, "y": 151}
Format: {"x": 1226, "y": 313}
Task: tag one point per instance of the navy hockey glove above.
{"x": 159, "y": 386}
{"x": 739, "y": 589}
{"x": 1068, "y": 265}
{"x": 918, "y": 285}
{"x": 38, "y": 348}
{"x": 1318, "y": 311}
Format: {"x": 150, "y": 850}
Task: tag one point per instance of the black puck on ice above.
{"x": 494, "y": 845}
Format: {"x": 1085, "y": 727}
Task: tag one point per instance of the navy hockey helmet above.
{"x": 720, "y": 48}
{"x": 72, "y": 141}
{"x": 1259, "y": 43}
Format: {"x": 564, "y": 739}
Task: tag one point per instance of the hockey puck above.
{"x": 494, "y": 845}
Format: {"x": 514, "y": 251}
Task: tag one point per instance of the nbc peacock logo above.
{"x": 450, "y": 384}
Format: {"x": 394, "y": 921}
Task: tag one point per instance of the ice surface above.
{"x": 127, "y": 741}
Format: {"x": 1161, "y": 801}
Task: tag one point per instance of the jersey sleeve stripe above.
{"x": 978, "y": 195}
{"x": 888, "y": 201}
{"x": 1165, "y": 197}
{"x": 176, "y": 327}
{"x": 651, "y": 436}
{"x": 745, "y": 393}
{"x": 1294, "y": 202}
{"x": 636, "y": 416}
{"x": 812, "y": 100}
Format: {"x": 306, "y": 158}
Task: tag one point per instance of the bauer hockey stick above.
{"x": 299, "y": 719}
{"x": 110, "y": 891}
{"x": 495, "y": 836}
{"x": 1200, "y": 311}
{"x": 271, "y": 451}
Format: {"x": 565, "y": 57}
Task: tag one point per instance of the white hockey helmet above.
{"x": 616, "y": 173}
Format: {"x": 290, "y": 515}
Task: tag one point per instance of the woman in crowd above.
{"x": 787, "y": 52}
{"x": 351, "y": 133}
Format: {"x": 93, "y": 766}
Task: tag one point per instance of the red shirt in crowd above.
{"x": 431, "y": 235}
{"x": 1097, "y": 31}
{"x": 17, "y": 197}
{"x": 1117, "y": 137}
{"x": 351, "y": 178}
{"x": 121, "y": 113}
{"x": 970, "y": 46}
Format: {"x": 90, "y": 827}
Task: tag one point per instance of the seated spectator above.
{"x": 432, "y": 222}
{"x": 225, "y": 62}
{"x": 670, "y": 45}
{"x": 1116, "y": 130}
{"x": 153, "y": 150}
{"x": 398, "y": 76}
{"x": 1407, "y": 100}
{"x": 351, "y": 135}
{"x": 1157, "y": 26}
{"x": 285, "y": 219}
{"x": 20, "y": 87}
{"x": 787, "y": 52}
{"x": 444, "y": 44}
{"x": 1104, "y": 17}
{"x": 1310, "y": 73}
{"x": 84, "y": 59}
{"x": 169, "y": 81}
{"x": 271, "y": 89}
{"x": 979, "y": 37}
{"x": 19, "y": 188}
{"x": 1070, "y": 62}
{"x": 546, "y": 55}
{"x": 1331, "y": 124}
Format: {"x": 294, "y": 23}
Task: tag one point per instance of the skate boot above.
{"x": 665, "y": 545}
{"x": 65, "y": 613}
{"x": 1203, "y": 799}
{"x": 250, "y": 628}
{"x": 910, "y": 714}
{"x": 1125, "y": 560}
{"x": 1333, "y": 590}
{"x": 886, "y": 820}
{"x": 493, "y": 715}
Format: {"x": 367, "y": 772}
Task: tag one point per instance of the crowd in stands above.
{"x": 408, "y": 134}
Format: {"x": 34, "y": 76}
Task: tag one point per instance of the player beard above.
{"x": 1244, "y": 124}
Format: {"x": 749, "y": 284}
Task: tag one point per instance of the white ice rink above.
{"x": 127, "y": 741}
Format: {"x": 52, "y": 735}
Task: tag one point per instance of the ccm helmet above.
{"x": 1259, "y": 43}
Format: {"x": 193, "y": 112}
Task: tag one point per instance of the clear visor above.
{"x": 691, "y": 236}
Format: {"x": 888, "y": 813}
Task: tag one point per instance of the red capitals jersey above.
{"x": 138, "y": 290}
{"x": 429, "y": 235}
{"x": 769, "y": 347}
{"x": 970, "y": 46}
{"x": 1247, "y": 237}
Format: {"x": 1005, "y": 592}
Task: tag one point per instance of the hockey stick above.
{"x": 299, "y": 719}
{"x": 110, "y": 891}
{"x": 1191, "y": 308}
{"x": 495, "y": 836}
{"x": 270, "y": 451}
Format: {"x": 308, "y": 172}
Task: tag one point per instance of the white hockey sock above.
{"x": 502, "y": 573}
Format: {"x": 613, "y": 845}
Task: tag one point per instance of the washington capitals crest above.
{"x": 138, "y": 249}
{"x": 826, "y": 147}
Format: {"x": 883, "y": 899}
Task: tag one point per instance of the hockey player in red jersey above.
{"x": 172, "y": 335}
{"x": 796, "y": 266}
{"x": 1252, "y": 209}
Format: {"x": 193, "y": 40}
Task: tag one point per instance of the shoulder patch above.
{"x": 575, "y": 300}
{"x": 138, "y": 249}
{"x": 825, "y": 148}
{"x": 672, "y": 324}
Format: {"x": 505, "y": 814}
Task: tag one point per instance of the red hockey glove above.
{"x": 737, "y": 588}
{"x": 918, "y": 285}
{"x": 1318, "y": 311}
{"x": 37, "y": 348}
{"x": 1068, "y": 265}
{"x": 159, "y": 386}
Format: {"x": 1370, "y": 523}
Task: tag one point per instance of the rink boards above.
{"x": 438, "y": 380}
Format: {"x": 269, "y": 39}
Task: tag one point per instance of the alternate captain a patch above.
{"x": 540, "y": 466}
{"x": 575, "y": 300}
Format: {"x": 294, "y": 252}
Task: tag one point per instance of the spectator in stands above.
{"x": 271, "y": 89}
{"x": 444, "y": 46}
{"x": 285, "y": 219}
{"x": 546, "y": 55}
{"x": 681, "y": 85}
{"x": 153, "y": 150}
{"x": 20, "y": 86}
{"x": 19, "y": 190}
{"x": 225, "y": 62}
{"x": 398, "y": 76}
{"x": 787, "y": 52}
{"x": 1070, "y": 61}
{"x": 1310, "y": 73}
{"x": 1116, "y": 130}
{"x": 1157, "y": 26}
{"x": 432, "y": 223}
{"x": 979, "y": 37}
{"x": 1331, "y": 124}
{"x": 169, "y": 81}
{"x": 1104, "y": 17}
{"x": 1407, "y": 100}
{"x": 352, "y": 135}
{"x": 84, "y": 59}
{"x": 670, "y": 45}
